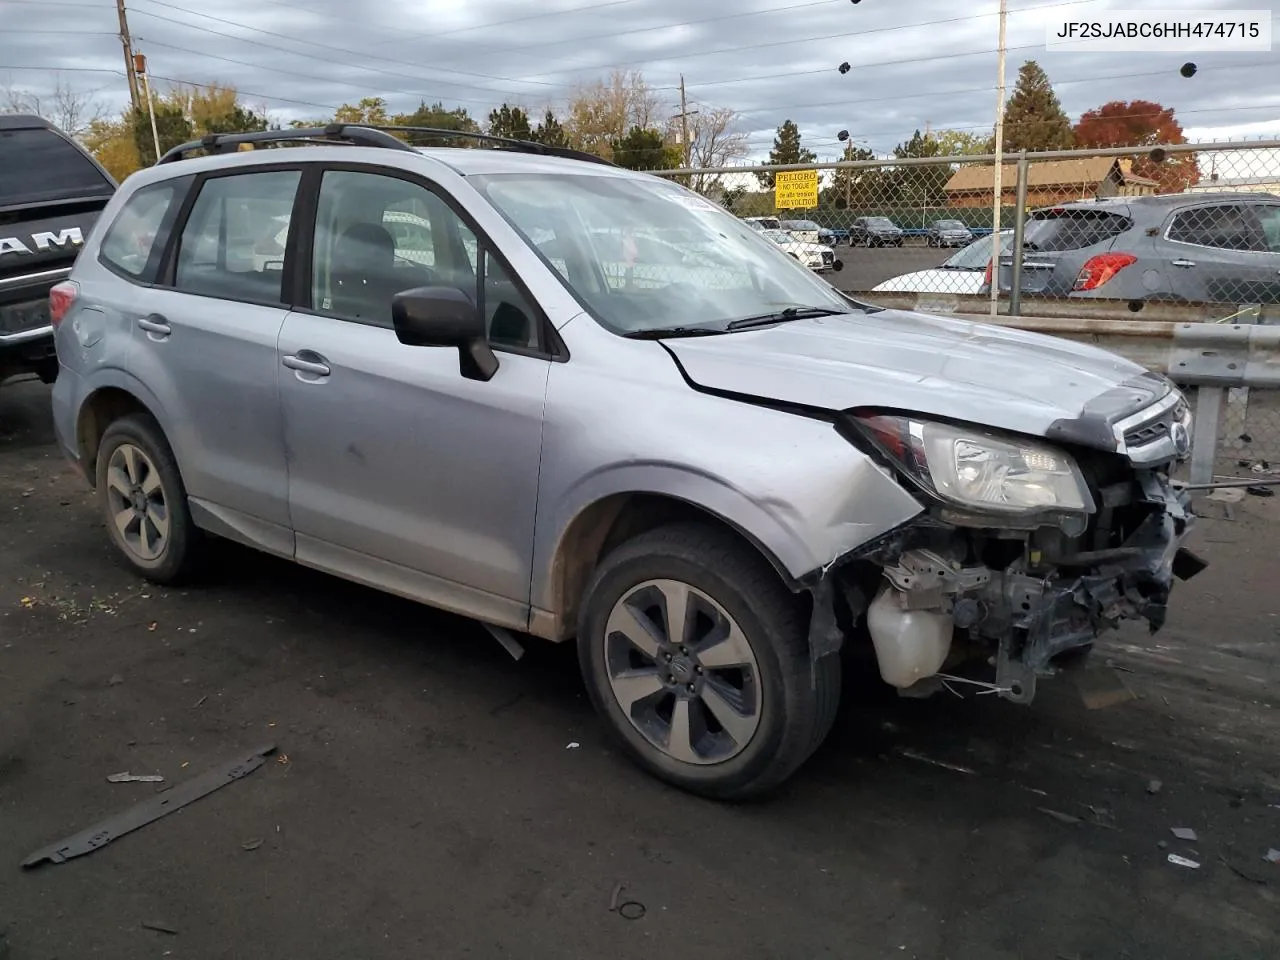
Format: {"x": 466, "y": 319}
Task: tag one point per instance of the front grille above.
{"x": 1147, "y": 433}
{"x": 1162, "y": 437}
{"x": 828, "y": 256}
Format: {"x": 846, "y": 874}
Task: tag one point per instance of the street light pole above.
{"x": 998, "y": 178}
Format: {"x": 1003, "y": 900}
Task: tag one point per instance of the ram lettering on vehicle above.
{"x": 43, "y": 241}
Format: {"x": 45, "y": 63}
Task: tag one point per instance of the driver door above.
{"x": 403, "y": 473}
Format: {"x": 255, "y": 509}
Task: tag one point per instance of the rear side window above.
{"x": 1230, "y": 226}
{"x": 40, "y": 165}
{"x": 1072, "y": 229}
{"x": 233, "y": 244}
{"x": 134, "y": 235}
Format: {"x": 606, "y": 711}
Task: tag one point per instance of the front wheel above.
{"x": 696, "y": 656}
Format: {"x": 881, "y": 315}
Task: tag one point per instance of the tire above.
{"x": 136, "y": 467}
{"x": 783, "y": 719}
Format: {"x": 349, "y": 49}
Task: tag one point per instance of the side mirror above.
{"x": 445, "y": 317}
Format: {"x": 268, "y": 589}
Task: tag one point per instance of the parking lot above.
{"x": 431, "y": 797}
{"x": 864, "y": 267}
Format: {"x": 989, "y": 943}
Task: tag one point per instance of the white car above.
{"x": 815, "y": 256}
{"x": 763, "y": 223}
{"x": 962, "y": 272}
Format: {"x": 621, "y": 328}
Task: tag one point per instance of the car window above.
{"x": 232, "y": 245}
{"x": 1071, "y": 228}
{"x": 39, "y": 165}
{"x": 131, "y": 238}
{"x": 377, "y": 236}
{"x": 974, "y": 256}
{"x": 1228, "y": 226}
{"x": 643, "y": 254}
{"x": 1269, "y": 220}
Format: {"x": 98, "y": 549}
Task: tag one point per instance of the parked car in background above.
{"x": 961, "y": 273}
{"x": 1204, "y": 247}
{"x": 709, "y": 481}
{"x": 51, "y": 192}
{"x": 948, "y": 233}
{"x": 806, "y": 230}
{"x": 815, "y": 256}
{"x": 875, "y": 232}
{"x": 763, "y": 223}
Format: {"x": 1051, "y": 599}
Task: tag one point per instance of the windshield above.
{"x": 974, "y": 256}
{"x": 644, "y": 254}
{"x": 806, "y": 225}
{"x": 950, "y": 225}
{"x": 879, "y": 222}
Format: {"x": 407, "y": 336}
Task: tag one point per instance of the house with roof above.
{"x": 1050, "y": 182}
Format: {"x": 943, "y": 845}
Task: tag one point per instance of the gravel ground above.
{"x": 427, "y": 799}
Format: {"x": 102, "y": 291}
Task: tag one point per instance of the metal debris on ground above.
{"x": 631, "y": 910}
{"x": 913, "y": 755}
{"x": 1153, "y": 787}
{"x": 251, "y": 844}
{"x": 1272, "y": 856}
{"x": 572, "y": 745}
{"x": 1184, "y": 833}
{"x": 161, "y": 804}
{"x": 115, "y": 680}
{"x": 613, "y": 900}
{"x": 1260, "y": 490}
{"x": 1178, "y": 861}
{"x": 1059, "y": 815}
{"x": 135, "y": 778}
{"x": 159, "y": 927}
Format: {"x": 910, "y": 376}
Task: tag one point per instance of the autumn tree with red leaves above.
{"x": 1141, "y": 123}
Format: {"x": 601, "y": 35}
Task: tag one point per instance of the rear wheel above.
{"x": 144, "y": 502}
{"x": 696, "y": 655}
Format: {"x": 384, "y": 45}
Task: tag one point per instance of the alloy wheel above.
{"x": 136, "y": 502}
{"x": 683, "y": 672}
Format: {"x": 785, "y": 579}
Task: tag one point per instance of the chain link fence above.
{"x": 1186, "y": 231}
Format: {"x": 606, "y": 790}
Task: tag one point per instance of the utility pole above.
{"x": 685, "y": 114}
{"x": 140, "y": 67}
{"x": 998, "y": 173}
{"x": 127, "y": 42}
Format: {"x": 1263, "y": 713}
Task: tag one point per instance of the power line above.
{"x": 542, "y": 15}
{"x": 323, "y": 46}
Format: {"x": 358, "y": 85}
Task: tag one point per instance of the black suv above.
{"x": 875, "y": 232}
{"x": 51, "y": 192}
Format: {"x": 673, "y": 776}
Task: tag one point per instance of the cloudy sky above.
{"x": 914, "y": 62}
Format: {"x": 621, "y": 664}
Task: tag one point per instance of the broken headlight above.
{"x": 983, "y": 472}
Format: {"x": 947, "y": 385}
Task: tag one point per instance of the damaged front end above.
{"x": 1027, "y": 553}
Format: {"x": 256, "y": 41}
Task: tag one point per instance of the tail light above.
{"x": 986, "y": 277}
{"x": 1098, "y": 270}
{"x": 61, "y": 297}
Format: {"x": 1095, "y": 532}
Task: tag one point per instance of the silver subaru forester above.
{"x": 575, "y": 401}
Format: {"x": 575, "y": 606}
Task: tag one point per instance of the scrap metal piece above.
{"x": 151, "y": 809}
{"x": 134, "y": 778}
{"x": 504, "y": 637}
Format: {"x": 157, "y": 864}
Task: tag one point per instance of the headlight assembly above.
{"x": 983, "y": 472}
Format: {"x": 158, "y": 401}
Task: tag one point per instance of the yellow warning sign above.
{"x": 795, "y": 190}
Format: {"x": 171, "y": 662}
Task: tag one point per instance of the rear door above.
{"x": 204, "y": 341}
{"x": 1224, "y": 253}
{"x": 1059, "y": 241}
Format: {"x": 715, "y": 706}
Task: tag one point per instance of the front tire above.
{"x": 696, "y": 655}
{"x": 144, "y": 502}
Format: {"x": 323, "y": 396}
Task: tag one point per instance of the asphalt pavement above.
{"x": 431, "y": 797}
{"x": 865, "y": 267}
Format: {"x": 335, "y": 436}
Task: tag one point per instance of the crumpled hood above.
{"x": 995, "y": 376}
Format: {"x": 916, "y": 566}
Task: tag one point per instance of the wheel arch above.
{"x": 107, "y": 402}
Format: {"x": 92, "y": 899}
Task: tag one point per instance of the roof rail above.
{"x": 511, "y": 143}
{"x": 364, "y": 135}
{"x": 353, "y": 134}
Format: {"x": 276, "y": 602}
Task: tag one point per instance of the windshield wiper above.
{"x": 661, "y": 333}
{"x": 782, "y": 316}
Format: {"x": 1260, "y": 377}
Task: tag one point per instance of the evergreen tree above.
{"x": 1033, "y": 117}
{"x": 642, "y": 150}
{"x": 921, "y": 186}
{"x": 550, "y": 132}
{"x": 510, "y": 122}
{"x": 172, "y": 127}
{"x": 438, "y": 117}
{"x": 786, "y": 149}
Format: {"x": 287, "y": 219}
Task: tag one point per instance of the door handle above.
{"x": 155, "y": 324}
{"x": 316, "y": 367}
{"x": 1183, "y": 263}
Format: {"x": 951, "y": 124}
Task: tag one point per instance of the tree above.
{"x": 962, "y": 143}
{"x": 1141, "y": 123}
{"x": 371, "y": 110}
{"x": 786, "y": 149}
{"x": 550, "y": 132}
{"x": 850, "y": 186}
{"x": 510, "y": 122}
{"x": 644, "y": 149}
{"x": 71, "y": 111}
{"x": 713, "y": 142}
{"x": 440, "y": 118}
{"x": 604, "y": 111}
{"x": 111, "y": 141}
{"x": 921, "y": 186}
{"x": 171, "y": 127}
{"x": 1033, "y": 117}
